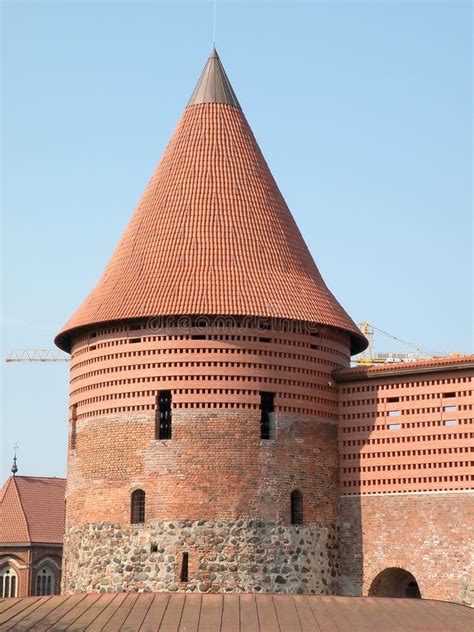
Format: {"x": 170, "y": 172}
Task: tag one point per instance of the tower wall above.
{"x": 216, "y": 490}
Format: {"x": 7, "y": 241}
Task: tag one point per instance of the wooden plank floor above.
{"x": 160, "y": 612}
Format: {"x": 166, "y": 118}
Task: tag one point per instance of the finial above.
{"x": 14, "y": 466}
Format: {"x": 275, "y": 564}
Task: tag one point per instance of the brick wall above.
{"x": 215, "y": 467}
{"x": 407, "y": 432}
{"x": 428, "y": 535}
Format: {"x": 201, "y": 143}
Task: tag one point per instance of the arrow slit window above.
{"x": 266, "y": 408}
{"x": 163, "y": 415}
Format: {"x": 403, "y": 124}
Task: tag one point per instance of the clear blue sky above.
{"x": 362, "y": 110}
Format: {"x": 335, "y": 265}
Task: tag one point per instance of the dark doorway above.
{"x": 395, "y": 582}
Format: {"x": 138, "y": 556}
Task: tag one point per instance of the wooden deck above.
{"x": 162, "y": 612}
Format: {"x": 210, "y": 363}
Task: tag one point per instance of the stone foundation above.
{"x": 235, "y": 556}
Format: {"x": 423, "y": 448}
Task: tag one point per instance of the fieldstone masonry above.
{"x": 235, "y": 556}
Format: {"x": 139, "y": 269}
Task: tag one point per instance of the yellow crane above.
{"x": 370, "y": 357}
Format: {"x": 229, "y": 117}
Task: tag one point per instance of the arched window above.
{"x": 138, "y": 507}
{"x": 296, "y": 507}
{"x": 8, "y": 582}
{"x": 45, "y": 581}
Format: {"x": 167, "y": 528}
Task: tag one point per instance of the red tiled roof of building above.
{"x": 360, "y": 372}
{"x": 212, "y": 234}
{"x": 32, "y": 510}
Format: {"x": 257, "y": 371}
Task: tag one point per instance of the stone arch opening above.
{"x": 395, "y": 582}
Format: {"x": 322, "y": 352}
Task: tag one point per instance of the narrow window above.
{"x": 138, "y": 507}
{"x": 184, "y": 575}
{"x": 73, "y": 426}
{"x": 266, "y": 407}
{"x": 296, "y": 507}
{"x": 163, "y": 415}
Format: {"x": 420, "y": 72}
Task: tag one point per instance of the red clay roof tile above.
{"x": 405, "y": 367}
{"x": 32, "y": 510}
{"x": 212, "y": 235}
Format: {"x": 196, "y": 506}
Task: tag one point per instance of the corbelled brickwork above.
{"x": 231, "y": 556}
{"x": 222, "y": 365}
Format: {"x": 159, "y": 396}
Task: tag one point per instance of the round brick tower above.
{"x": 203, "y": 416}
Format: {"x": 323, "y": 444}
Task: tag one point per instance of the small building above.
{"x": 31, "y": 535}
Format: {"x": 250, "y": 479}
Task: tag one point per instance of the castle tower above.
{"x": 203, "y": 416}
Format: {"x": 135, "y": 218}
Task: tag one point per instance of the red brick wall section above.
{"x": 405, "y": 433}
{"x": 429, "y": 535}
{"x": 216, "y": 467}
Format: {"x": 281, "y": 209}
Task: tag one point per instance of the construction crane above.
{"x": 37, "y": 355}
{"x": 369, "y": 357}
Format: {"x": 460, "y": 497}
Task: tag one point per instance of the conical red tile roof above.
{"x": 212, "y": 234}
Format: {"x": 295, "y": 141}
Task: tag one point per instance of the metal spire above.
{"x": 14, "y": 466}
{"x": 213, "y": 85}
